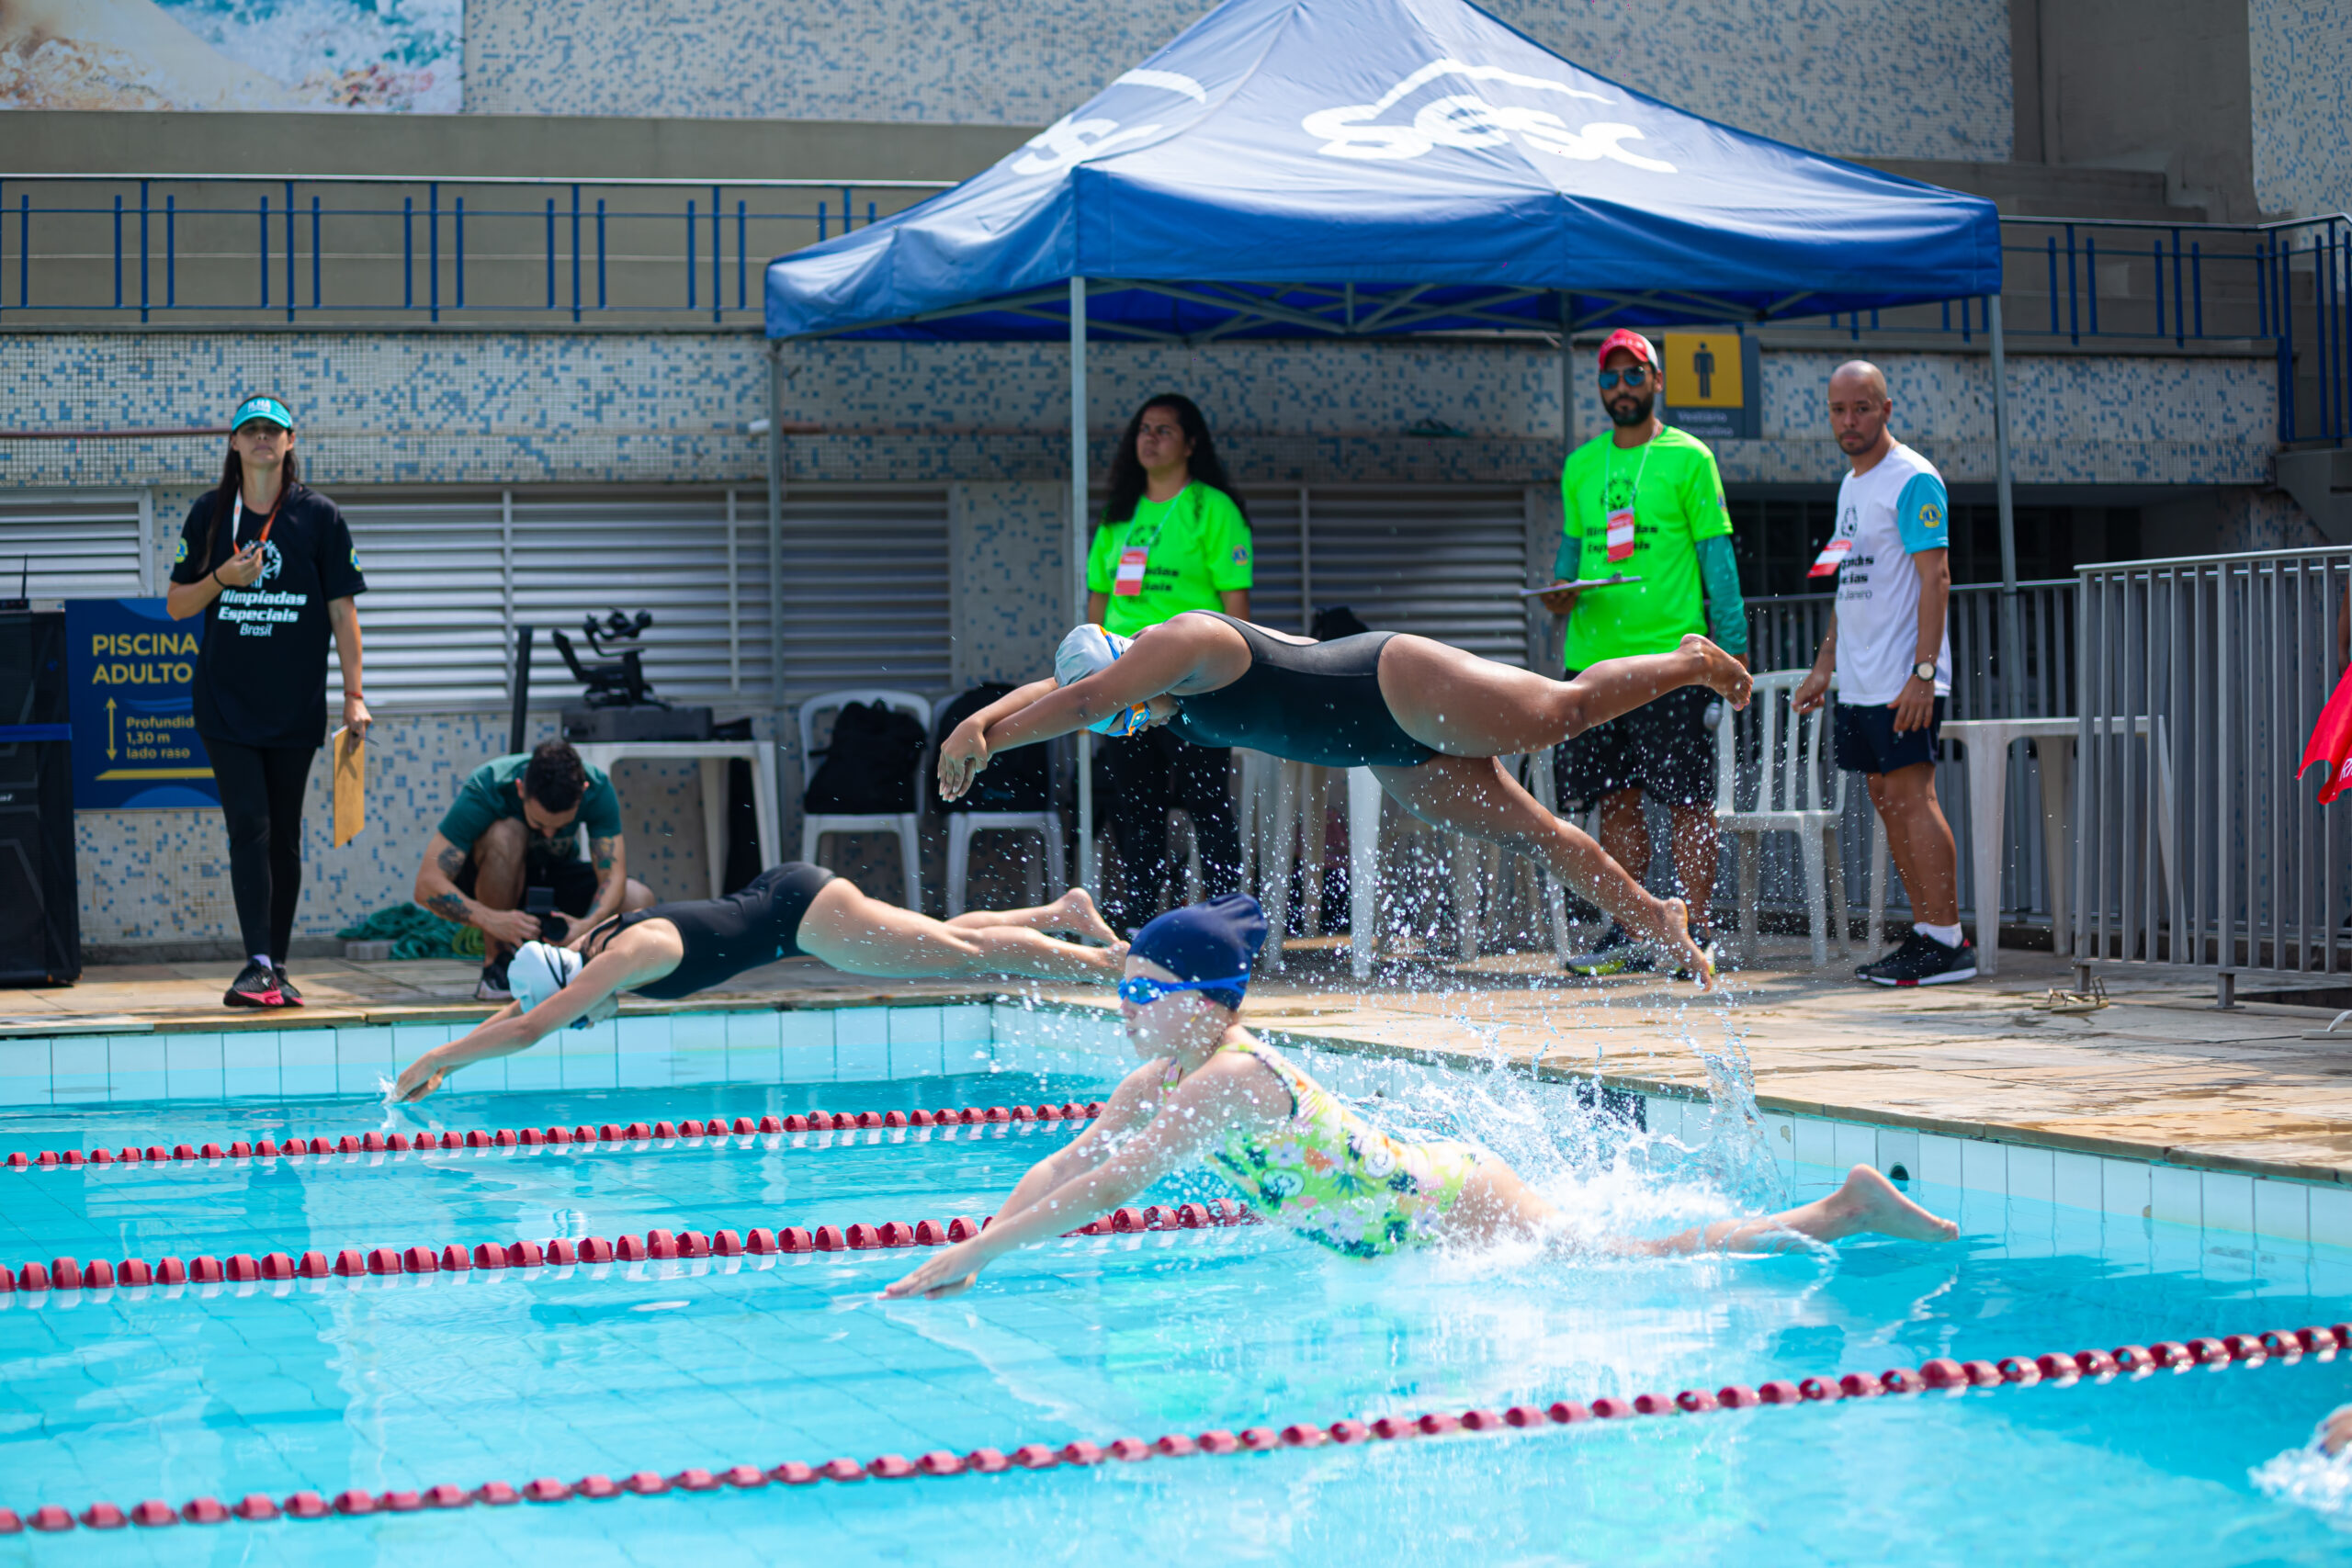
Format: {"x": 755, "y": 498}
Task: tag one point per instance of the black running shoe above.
{"x": 493, "y": 988}
{"x": 285, "y": 986}
{"x": 1614, "y": 954}
{"x": 255, "y": 987}
{"x": 1922, "y": 961}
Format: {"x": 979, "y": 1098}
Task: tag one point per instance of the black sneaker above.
{"x": 285, "y": 986}
{"x": 1614, "y": 954}
{"x": 493, "y": 987}
{"x": 1922, "y": 961}
{"x": 255, "y": 986}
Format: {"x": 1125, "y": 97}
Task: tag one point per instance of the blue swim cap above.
{"x": 1206, "y": 942}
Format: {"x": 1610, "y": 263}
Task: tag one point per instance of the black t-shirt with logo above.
{"x": 260, "y": 677}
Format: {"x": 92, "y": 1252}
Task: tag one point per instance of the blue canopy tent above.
{"x": 1348, "y": 168}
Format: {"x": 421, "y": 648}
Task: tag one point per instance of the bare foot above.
{"x": 1726, "y": 676}
{"x": 1868, "y": 1201}
{"x": 2335, "y": 1433}
{"x": 1674, "y": 935}
{"x": 1074, "y": 913}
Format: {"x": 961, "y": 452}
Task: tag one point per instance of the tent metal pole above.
{"x": 1077, "y": 489}
{"x": 779, "y": 728}
{"x": 2012, "y": 644}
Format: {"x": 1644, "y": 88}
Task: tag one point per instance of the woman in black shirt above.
{"x": 268, "y": 562}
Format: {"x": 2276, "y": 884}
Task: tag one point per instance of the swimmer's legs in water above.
{"x": 865, "y": 936}
{"x": 1496, "y": 1203}
{"x": 1474, "y": 795}
{"x": 1073, "y": 914}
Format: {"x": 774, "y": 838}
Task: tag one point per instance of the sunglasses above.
{"x": 1632, "y": 375}
{"x": 1143, "y": 990}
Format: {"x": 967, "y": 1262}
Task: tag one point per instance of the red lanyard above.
{"x": 237, "y": 518}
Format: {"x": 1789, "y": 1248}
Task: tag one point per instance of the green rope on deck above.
{"x": 415, "y": 932}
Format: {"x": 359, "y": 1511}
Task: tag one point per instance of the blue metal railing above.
{"x": 514, "y": 249}
{"x": 469, "y": 223}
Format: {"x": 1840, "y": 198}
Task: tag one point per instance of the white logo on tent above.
{"x": 1069, "y": 140}
{"x": 1467, "y": 121}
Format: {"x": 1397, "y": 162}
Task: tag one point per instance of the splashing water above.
{"x": 2311, "y": 1478}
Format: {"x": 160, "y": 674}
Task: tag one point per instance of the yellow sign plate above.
{"x": 1702, "y": 370}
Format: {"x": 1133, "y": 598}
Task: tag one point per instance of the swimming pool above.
{"x": 399, "y": 1383}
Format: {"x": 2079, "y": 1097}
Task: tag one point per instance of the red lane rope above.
{"x": 713, "y": 1133}
{"x": 654, "y": 1246}
{"x": 2082, "y": 1366}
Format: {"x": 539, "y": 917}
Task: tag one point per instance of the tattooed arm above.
{"x": 610, "y": 858}
{"x": 436, "y": 889}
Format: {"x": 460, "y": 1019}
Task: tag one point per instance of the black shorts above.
{"x": 1867, "y": 742}
{"x": 573, "y": 879}
{"x": 1663, "y": 748}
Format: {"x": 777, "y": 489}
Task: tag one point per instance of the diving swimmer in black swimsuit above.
{"x": 675, "y": 949}
{"x": 1427, "y": 719}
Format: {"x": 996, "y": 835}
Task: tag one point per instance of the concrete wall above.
{"x": 2300, "y": 58}
{"x": 1862, "y": 76}
{"x": 379, "y": 409}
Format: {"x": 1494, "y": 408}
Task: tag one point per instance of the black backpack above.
{"x": 1336, "y": 622}
{"x": 1018, "y": 780}
{"x": 869, "y": 764}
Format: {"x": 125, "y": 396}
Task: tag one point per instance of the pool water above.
{"x": 386, "y": 1384}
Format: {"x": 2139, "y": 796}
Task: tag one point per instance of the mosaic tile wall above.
{"x": 1853, "y": 76}
{"x": 1012, "y": 580}
{"x": 518, "y": 408}
{"x": 151, "y": 877}
{"x": 2301, "y": 53}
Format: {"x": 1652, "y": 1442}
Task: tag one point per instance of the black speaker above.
{"x": 41, "y": 923}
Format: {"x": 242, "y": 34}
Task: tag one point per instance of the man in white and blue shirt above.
{"x": 1889, "y": 653}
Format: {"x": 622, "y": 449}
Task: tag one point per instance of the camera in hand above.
{"x": 539, "y": 903}
{"x": 619, "y": 703}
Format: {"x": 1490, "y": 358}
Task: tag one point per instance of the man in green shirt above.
{"x": 1646, "y": 500}
{"x": 1172, "y": 538}
{"x": 512, "y": 828}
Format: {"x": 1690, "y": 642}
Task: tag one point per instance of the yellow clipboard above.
{"x": 350, "y": 753}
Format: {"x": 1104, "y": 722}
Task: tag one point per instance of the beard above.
{"x": 1626, "y": 413}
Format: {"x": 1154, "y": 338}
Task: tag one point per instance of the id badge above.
{"x": 1832, "y": 557}
{"x": 1621, "y": 534}
{"x": 1129, "y": 582}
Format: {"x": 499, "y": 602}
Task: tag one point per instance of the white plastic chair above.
{"x": 906, "y": 825}
{"x": 962, "y": 825}
{"x": 1794, "y": 794}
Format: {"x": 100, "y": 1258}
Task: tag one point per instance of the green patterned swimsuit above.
{"x": 1336, "y": 1179}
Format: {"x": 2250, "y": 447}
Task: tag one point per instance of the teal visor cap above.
{"x": 269, "y": 409}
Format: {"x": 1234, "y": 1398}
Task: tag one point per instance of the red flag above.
{"x": 2330, "y": 742}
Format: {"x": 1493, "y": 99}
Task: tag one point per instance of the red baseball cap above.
{"x": 1631, "y": 343}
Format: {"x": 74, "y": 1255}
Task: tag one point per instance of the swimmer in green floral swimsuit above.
{"x": 1336, "y": 1179}
{"x": 1211, "y": 1095}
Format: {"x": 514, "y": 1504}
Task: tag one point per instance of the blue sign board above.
{"x": 130, "y": 669}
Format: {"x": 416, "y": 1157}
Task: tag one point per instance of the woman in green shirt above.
{"x": 1172, "y": 538}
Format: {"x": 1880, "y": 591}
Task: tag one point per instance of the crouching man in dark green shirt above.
{"x": 515, "y": 826}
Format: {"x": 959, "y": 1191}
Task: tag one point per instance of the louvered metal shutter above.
{"x": 452, "y": 572}
{"x": 76, "y": 544}
{"x": 1444, "y": 563}
{"x": 865, "y": 590}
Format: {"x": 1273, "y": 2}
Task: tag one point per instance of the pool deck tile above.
{"x": 2160, "y": 1076}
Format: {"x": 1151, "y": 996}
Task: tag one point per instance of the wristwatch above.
{"x": 1924, "y": 671}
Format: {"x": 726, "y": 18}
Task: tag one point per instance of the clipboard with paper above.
{"x": 350, "y": 754}
{"x": 1580, "y": 584}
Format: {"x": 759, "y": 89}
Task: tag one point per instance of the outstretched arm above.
{"x": 1063, "y": 1193}
{"x": 1153, "y": 667}
{"x": 624, "y": 963}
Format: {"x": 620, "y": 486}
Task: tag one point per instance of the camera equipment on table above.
{"x": 619, "y": 704}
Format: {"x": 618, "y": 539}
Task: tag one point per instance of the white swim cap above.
{"x": 538, "y": 970}
{"x": 1089, "y": 651}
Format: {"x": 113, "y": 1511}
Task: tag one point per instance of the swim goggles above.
{"x": 1143, "y": 990}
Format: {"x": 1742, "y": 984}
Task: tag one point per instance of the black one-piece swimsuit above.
{"x": 723, "y": 937}
{"x": 1315, "y": 702}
